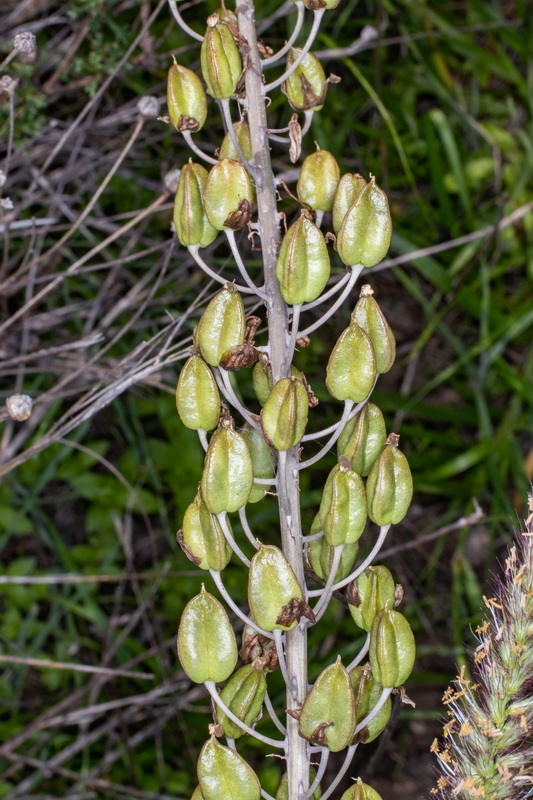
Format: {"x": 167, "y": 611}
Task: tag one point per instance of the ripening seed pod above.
{"x": 365, "y": 234}
{"x": 202, "y": 537}
{"x": 220, "y": 59}
{"x": 225, "y": 775}
{"x": 363, "y": 438}
{"x": 243, "y": 694}
{"x": 360, "y": 791}
{"x": 262, "y": 380}
{"x": 207, "y": 649}
{"x": 197, "y": 397}
{"x": 320, "y": 555}
{"x": 343, "y": 505}
{"x": 389, "y": 486}
{"x": 190, "y": 220}
{"x": 226, "y": 15}
{"x": 284, "y": 415}
{"x": 227, "y": 148}
{"x": 369, "y": 316}
{"x": 328, "y": 714}
{"x": 351, "y": 369}
{"x": 303, "y": 267}
{"x": 228, "y": 477}
{"x": 221, "y": 326}
{"x": 283, "y": 788}
{"x": 228, "y": 196}
{"x": 392, "y": 648}
{"x": 186, "y": 100}
{"x": 272, "y": 588}
{"x": 318, "y": 181}
{"x": 349, "y": 188}
{"x": 372, "y": 590}
{"x": 315, "y": 5}
{"x": 197, "y": 794}
{"x": 262, "y": 460}
{"x": 306, "y": 87}
{"x": 367, "y": 692}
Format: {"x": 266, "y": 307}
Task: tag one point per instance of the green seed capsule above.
{"x": 318, "y": 181}
{"x": 363, "y": 438}
{"x": 190, "y": 220}
{"x": 228, "y": 197}
{"x": 220, "y": 59}
{"x": 283, "y": 788}
{"x": 306, "y": 87}
{"x": 263, "y": 462}
{"x": 221, "y": 326}
{"x": 369, "y": 316}
{"x": 197, "y": 794}
{"x": 320, "y": 555}
{"x": 197, "y": 397}
{"x": 284, "y": 416}
{"x": 373, "y": 590}
{"x": 365, "y": 234}
{"x": 389, "y": 486}
{"x": 351, "y": 369}
{"x": 227, "y": 148}
{"x": 243, "y": 694}
{"x": 328, "y": 713}
{"x": 303, "y": 267}
{"x": 227, "y": 479}
{"x": 202, "y": 538}
{"x": 207, "y": 649}
{"x": 316, "y": 5}
{"x": 392, "y": 648}
{"x": 367, "y": 692}
{"x": 273, "y": 590}
{"x": 349, "y": 188}
{"x": 343, "y": 506}
{"x": 360, "y": 791}
{"x": 225, "y": 775}
{"x": 262, "y": 380}
{"x": 186, "y": 100}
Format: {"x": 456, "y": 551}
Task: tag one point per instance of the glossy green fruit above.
{"x": 360, "y": 791}
{"x": 197, "y": 397}
{"x": 365, "y": 234}
{"x": 372, "y": 590}
{"x": 392, "y": 648}
{"x": 225, "y": 775}
{"x": 190, "y": 220}
{"x": 228, "y": 196}
{"x": 221, "y": 326}
{"x": 228, "y": 477}
{"x": 328, "y": 713}
{"x": 369, "y": 316}
{"x": 389, "y": 486}
{"x": 284, "y": 416}
{"x": 303, "y": 267}
{"x": 220, "y": 60}
{"x": 363, "y": 438}
{"x": 349, "y": 188}
{"x": 263, "y": 461}
{"x": 272, "y": 588}
{"x": 306, "y": 87}
{"x": 186, "y": 100}
{"x": 197, "y": 794}
{"x": 262, "y": 380}
{"x": 318, "y": 181}
{"x": 351, "y": 369}
{"x": 227, "y": 148}
{"x": 367, "y": 693}
{"x": 243, "y": 694}
{"x": 207, "y": 649}
{"x": 202, "y": 537}
{"x": 320, "y": 555}
{"x": 283, "y": 788}
{"x": 343, "y": 506}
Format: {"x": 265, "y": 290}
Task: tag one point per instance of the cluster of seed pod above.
{"x": 346, "y": 705}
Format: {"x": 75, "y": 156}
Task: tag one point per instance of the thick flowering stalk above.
{"x": 487, "y": 748}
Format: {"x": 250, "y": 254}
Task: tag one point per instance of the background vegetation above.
{"x": 98, "y": 306}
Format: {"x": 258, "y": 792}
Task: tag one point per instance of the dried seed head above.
{"x": 148, "y": 107}
{"x": 19, "y": 407}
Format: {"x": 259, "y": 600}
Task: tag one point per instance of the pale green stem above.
{"x": 348, "y": 405}
{"x": 231, "y": 541}
{"x": 341, "y": 773}
{"x": 385, "y": 694}
{"x": 305, "y": 49}
{"x": 202, "y": 435}
{"x": 194, "y": 147}
{"x": 266, "y": 62}
{"x": 241, "y": 265}
{"x": 294, "y": 334}
{"x": 324, "y": 757}
{"x": 323, "y": 297}
{"x": 327, "y": 591}
{"x": 193, "y": 250}
{"x": 247, "y": 530}
{"x": 356, "y": 271}
{"x": 227, "y": 597}
{"x": 212, "y": 689}
{"x": 273, "y": 716}
{"x": 278, "y": 638}
{"x": 361, "y": 654}
{"x": 224, "y": 384}
{"x": 181, "y": 22}
{"x": 226, "y": 112}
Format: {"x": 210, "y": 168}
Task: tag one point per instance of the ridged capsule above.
{"x": 348, "y": 190}
{"x": 197, "y": 794}
{"x": 243, "y": 694}
{"x": 327, "y": 717}
{"x": 365, "y": 234}
{"x": 228, "y": 196}
{"x": 274, "y": 594}
{"x": 372, "y": 590}
{"x": 306, "y": 87}
{"x": 202, "y": 538}
{"x": 186, "y": 100}
{"x": 284, "y": 415}
{"x": 343, "y": 506}
{"x": 197, "y": 396}
{"x": 363, "y": 438}
{"x": 303, "y": 267}
{"x": 318, "y": 181}
{"x": 220, "y": 59}
{"x": 227, "y": 479}
{"x": 369, "y": 316}
{"x": 351, "y": 369}
{"x": 360, "y": 791}
{"x": 190, "y": 220}
{"x": 262, "y": 380}
{"x": 225, "y": 775}
{"x": 207, "y": 649}
{"x": 392, "y": 648}
{"x": 389, "y": 486}
{"x": 320, "y": 553}
{"x": 263, "y": 462}
{"x": 367, "y": 692}
{"x": 242, "y": 133}
{"x": 283, "y": 788}
{"x": 221, "y": 326}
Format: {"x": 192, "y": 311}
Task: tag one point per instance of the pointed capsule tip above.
{"x": 393, "y": 439}
{"x": 366, "y": 290}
